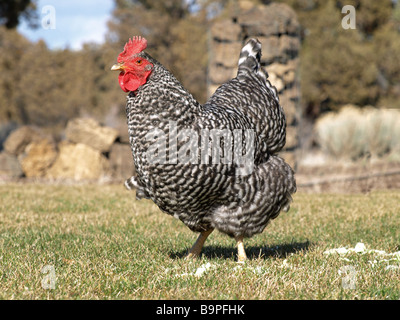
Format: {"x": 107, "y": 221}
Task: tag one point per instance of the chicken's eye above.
{"x": 139, "y": 61}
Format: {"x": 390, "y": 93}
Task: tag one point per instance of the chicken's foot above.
{"x": 194, "y": 252}
{"x": 241, "y": 252}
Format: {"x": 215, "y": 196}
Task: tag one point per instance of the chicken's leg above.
{"x": 194, "y": 252}
{"x": 241, "y": 252}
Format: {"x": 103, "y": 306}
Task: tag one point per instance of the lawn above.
{"x": 98, "y": 242}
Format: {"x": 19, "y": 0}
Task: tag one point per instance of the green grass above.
{"x": 103, "y": 244}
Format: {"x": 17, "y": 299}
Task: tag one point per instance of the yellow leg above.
{"x": 241, "y": 252}
{"x": 194, "y": 252}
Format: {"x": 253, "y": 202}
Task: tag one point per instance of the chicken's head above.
{"x": 134, "y": 67}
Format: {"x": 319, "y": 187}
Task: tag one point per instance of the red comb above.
{"x": 133, "y": 46}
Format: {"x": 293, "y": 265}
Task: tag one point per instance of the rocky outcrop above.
{"x": 78, "y": 162}
{"x": 89, "y": 152}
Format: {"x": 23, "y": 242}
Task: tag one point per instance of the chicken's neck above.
{"x": 162, "y": 99}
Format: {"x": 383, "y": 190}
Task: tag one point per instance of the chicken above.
{"x": 212, "y": 165}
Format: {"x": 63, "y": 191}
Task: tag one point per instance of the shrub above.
{"x": 354, "y": 133}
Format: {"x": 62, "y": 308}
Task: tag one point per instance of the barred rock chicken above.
{"x": 213, "y": 166}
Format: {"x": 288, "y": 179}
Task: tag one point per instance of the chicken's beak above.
{"x": 117, "y": 66}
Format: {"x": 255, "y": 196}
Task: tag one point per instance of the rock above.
{"x": 78, "y": 162}
{"x": 291, "y": 93}
{"x": 9, "y": 166}
{"x": 223, "y": 53}
{"x": 245, "y": 5}
{"x": 121, "y": 161}
{"x": 290, "y": 111}
{"x": 273, "y": 19}
{"x": 270, "y": 49}
{"x": 17, "y": 141}
{"x": 276, "y": 82}
{"x": 281, "y": 49}
{"x": 221, "y": 74}
{"x": 225, "y": 30}
{"x": 89, "y": 132}
{"x": 289, "y": 100}
{"x": 289, "y": 46}
{"x": 212, "y": 88}
{"x": 286, "y": 72}
{"x": 280, "y": 69}
{"x": 291, "y": 138}
{"x": 37, "y": 158}
{"x": 123, "y": 134}
{"x": 277, "y": 68}
{"x": 5, "y": 129}
{"x": 289, "y": 77}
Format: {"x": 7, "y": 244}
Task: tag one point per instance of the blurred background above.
{"x": 340, "y": 87}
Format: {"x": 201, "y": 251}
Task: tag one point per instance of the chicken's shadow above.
{"x": 280, "y": 250}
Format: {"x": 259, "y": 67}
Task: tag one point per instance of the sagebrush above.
{"x": 354, "y": 133}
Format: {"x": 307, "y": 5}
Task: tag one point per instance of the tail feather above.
{"x": 250, "y": 55}
{"x": 250, "y": 62}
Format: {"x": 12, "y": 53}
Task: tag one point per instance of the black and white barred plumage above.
{"x": 205, "y": 195}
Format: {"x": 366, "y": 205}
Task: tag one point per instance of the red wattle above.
{"x": 130, "y": 81}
